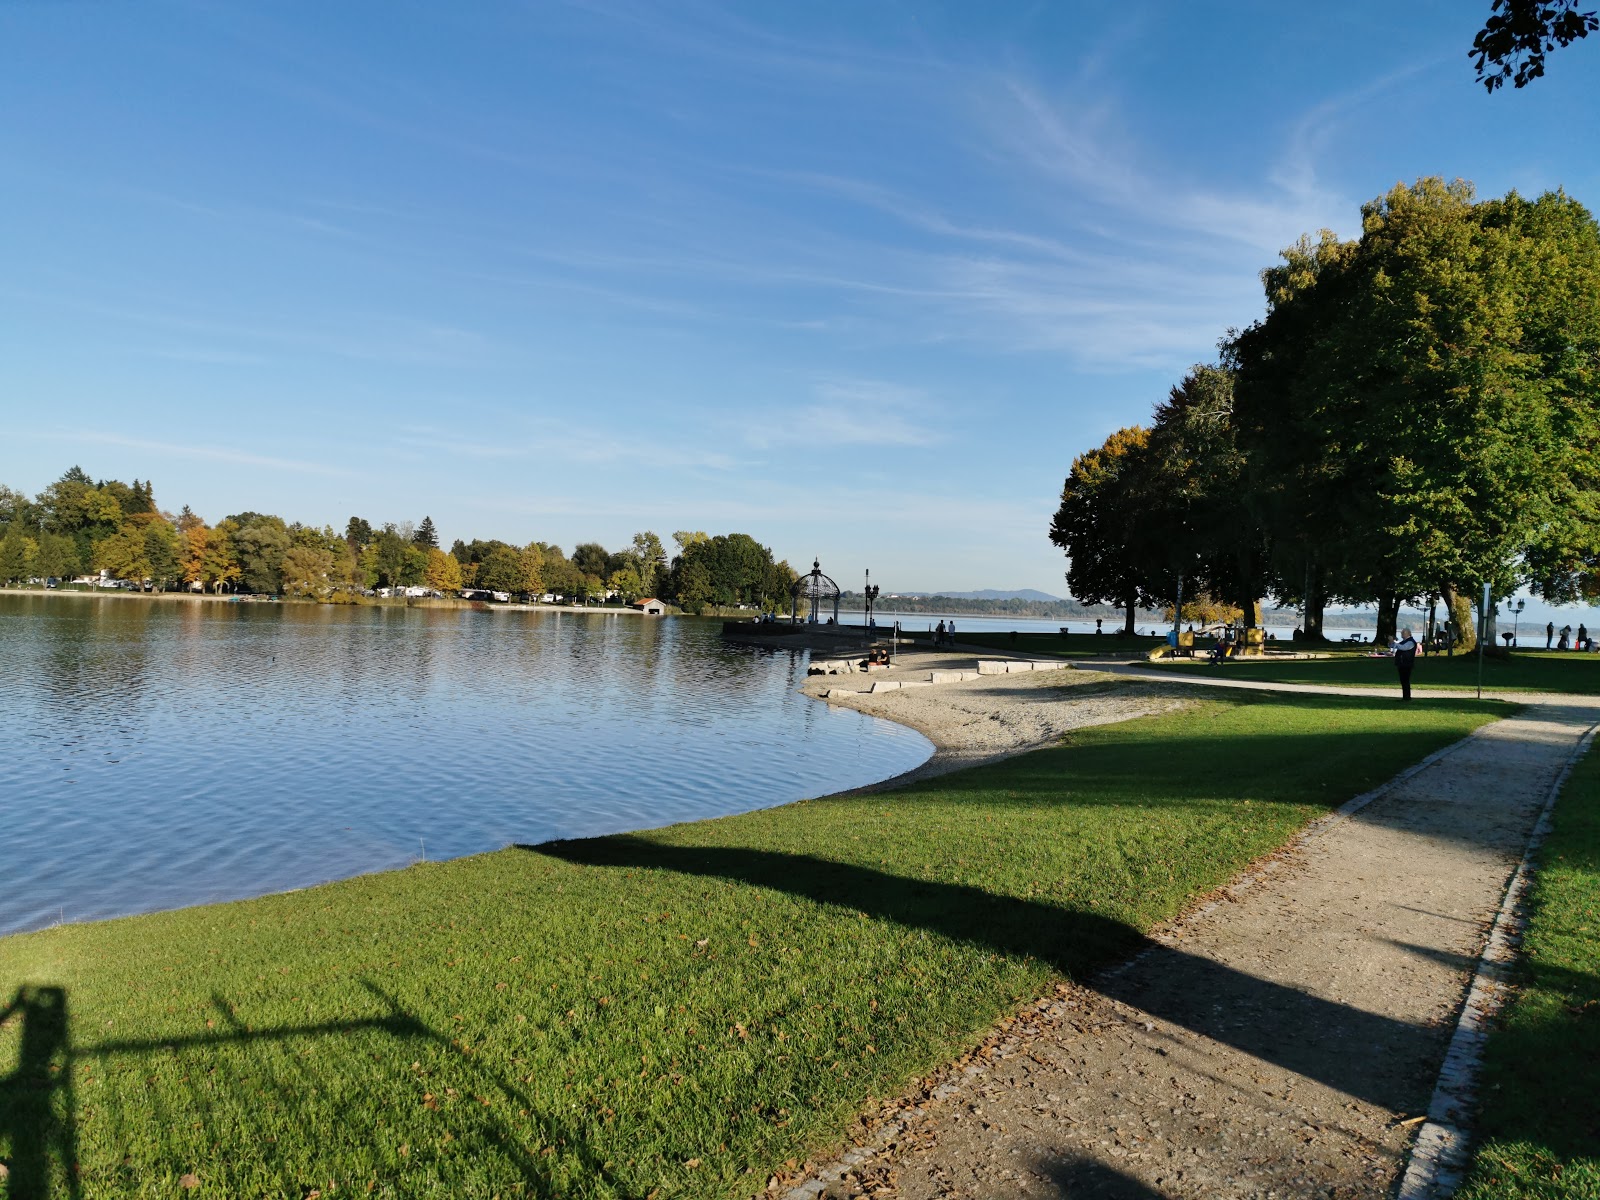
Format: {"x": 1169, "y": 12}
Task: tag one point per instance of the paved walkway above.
{"x": 1284, "y": 1042}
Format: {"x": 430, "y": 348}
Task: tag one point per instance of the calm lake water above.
{"x": 159, "y": 754}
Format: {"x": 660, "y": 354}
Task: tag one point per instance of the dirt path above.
{"x": 1282, "y": 1043}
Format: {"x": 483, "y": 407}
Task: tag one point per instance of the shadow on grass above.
{"x": 1320, "y": 1039}
{"x": 38, "y": 1113}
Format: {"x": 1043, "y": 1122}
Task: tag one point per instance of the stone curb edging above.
{"x": 1439, "y": 1155}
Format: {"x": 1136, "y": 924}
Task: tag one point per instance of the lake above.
{"x": 166, "y": 753}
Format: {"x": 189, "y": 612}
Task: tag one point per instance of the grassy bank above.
{"x": 670, "y": 1014}
{"x": 1540, "y": 1125}
{"x": 1053, "y": 645}
{"x": 1526, "y": 670}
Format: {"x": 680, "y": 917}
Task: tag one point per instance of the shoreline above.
{"x": 991, "y": 718}
{"x": 436, "y": 602}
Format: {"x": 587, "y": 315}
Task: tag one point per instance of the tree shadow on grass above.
{"x": 38, "y": 1112}
{"x": 1320, "y": 1039}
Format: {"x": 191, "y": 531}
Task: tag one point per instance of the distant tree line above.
{"x": 1417, "y": 413}
{"x": 79, "y": 526}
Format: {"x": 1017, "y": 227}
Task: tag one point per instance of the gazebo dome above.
{"x": 817, "y": 590}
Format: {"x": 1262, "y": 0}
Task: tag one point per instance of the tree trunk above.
{"x": 1315, "y": 604}
{"x": 1388, "y": 613}
{"x": 1462, "y": 625}
{"x": 1127, "y": 620}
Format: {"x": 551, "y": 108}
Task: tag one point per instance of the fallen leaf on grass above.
{"x": 692, "y": 1163}
{"x": 191, "y": 1180}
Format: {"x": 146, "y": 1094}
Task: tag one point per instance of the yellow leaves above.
{"x": 740, "y": 1030}
{"x": 430, "y": 1102}
{"x": 405, "y": 1150}
{"x": 692, "y": 1164}
{"x": 190, "y": 1180}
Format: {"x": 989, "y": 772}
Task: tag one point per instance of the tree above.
{"x": 305, "y": 570}
{"x": 443, "y": 572}
{"x": 1519, "y": 33}
{"x": 692, "y": 585}
{"x": 650, "y": 561}
{"x": 17, "y": 554}
{"x": 389, "y": 558}
{"x": 625, "y": 582}
{"x": 1098, "y": 524}
{"x": 501, "y": 569}
{"x": 261, "y": 542}
{"x": 57, "y": 557}
{"x": 357, "y": 533}
{"x": 123, "y": 555}
{"x": 531, "y": 579}
{"x": 161, "y": 552}
{"x": 1433, "y": 392}
{"x": 591, "y": 559}
{"x": 426, "y": 536}
{"x": 220, "y": 564}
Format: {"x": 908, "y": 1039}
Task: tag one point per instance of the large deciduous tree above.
{"x": 1098, "y": 524}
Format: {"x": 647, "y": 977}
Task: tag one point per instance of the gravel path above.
{"x": 1282, "y": 1042}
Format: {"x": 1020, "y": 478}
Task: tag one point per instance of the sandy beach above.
{"x": 994, "y": 716}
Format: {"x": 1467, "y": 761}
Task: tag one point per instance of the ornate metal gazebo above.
{"x": 817, "y": 589}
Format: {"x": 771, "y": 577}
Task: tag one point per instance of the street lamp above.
{"x": 871, "y": 594}
{"x": 1516, "y": 616}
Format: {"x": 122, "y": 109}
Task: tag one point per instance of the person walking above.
{"x": 1583, "y": 637}
{"x": 1405, "y": 656}
{"x": 938, "y": 634}
{"x": 1549, "y": 634}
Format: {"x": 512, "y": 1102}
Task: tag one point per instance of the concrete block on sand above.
{"x": 950, "y": 676}
{"x": 1013, "y": 668}
{"x": 886, "y": 685}
{"x": 905, "y": 683}
{"x": 990, "y": 666}
{"x": 1054, "y": 665}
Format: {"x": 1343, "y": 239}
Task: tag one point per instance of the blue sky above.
{"x": 859, "y": 280}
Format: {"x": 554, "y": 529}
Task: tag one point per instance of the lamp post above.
{"x": 1516, "y": 616}
{"x": 871, "y": 594}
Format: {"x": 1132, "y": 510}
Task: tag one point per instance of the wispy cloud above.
{"x": 853, "y": 412}
{"x": 209, "y": 453}
{"x": 553, "y": 440}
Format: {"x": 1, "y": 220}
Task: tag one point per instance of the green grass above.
{"x": 1526, "y": 670}
{"x": 1540, "y": 1124}
{"x": 1054, "y": 645}
{"x": 672, "y": 1013}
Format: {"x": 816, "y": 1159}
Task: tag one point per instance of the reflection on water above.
{"x": 158, "y": 754}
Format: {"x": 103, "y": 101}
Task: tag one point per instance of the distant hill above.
{"x": 993, "y": 594}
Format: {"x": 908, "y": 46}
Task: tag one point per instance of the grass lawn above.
{"x": 665, "y": 1014}
{"x": 1526, "y": 670}
{"x": 1540, "y": 1124}
{"x": 1055, "y": 645}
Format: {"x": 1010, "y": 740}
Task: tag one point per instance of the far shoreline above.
{"x": 437, "y": 602}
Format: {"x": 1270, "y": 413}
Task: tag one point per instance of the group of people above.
{"x": 1584, "y": 642}
{"x": 944, "y": 635}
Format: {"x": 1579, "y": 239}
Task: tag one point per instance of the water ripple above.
{"x": 164, "y": 754}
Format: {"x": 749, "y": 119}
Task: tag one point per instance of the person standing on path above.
{"x": 1549, "y": 634}
{"x": 1405, "y": 656}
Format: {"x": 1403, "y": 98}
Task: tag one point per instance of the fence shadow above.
{"x": 38, "y": 1111}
